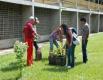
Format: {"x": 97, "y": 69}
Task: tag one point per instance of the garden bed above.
{"x": 57, "y": 60}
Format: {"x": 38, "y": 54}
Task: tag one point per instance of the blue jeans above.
{"x": 84, "y": 50}
{"x": 53, "y": 41}
{"x": 70, "y": 55}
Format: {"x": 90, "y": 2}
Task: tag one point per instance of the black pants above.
{"x": 84, "y": 50}
{"x": 36, "y": 48}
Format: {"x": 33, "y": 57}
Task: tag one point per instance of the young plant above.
{"x": 61, "y": 49}
{"x": 20, "y": 49}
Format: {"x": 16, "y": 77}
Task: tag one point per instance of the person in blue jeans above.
{"x": 69, "y": 44}
{"x": 54, "y": 36}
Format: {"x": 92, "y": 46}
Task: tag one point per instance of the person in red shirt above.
{"x": 29, "y": 37}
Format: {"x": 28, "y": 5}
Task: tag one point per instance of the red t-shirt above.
{"x": 28, "y": 31}
{"x": 69, "y": 37}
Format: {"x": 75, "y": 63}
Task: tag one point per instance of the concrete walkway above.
{"x": 9, "y": 51}
{"x": 6, "y": 51}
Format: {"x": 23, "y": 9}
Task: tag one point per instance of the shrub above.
{"x": 20, "y": 49}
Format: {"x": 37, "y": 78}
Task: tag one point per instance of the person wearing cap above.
{"x": 29, "y": 33}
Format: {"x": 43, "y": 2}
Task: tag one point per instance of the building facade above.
{"x": 51, "y": 13}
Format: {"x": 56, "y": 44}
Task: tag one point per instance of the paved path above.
{"x": 9, "y": 51}
{"x": 6, "y": 51}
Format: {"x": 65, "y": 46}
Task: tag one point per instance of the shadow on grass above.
{"x": 44, "y": 59}
{"x": 11, "y": 67}
{"x": 17, "y": 78}
{"x": 78, "y": 63}
{"x": 56, "y": 69}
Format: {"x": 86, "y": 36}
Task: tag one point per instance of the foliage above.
{"x": 20, "y": 48}
{"x": 61, "y": 50}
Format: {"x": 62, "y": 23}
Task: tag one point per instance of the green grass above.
{"x": 40, "y": 70}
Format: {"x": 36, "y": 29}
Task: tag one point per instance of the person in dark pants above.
{"x": 70, "y": 47}
{"x": 36, "y": 49}
{"x": 85, "y": 34}
{"x": 36, "y": 40}
{"x": 84, "y": 51}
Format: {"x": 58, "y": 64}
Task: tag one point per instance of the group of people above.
{"x": 58, "y": 34}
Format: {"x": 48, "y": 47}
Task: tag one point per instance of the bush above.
{"x": 20, "y": 49}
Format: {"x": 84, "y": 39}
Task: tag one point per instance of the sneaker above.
{"x": 68, "y": 67}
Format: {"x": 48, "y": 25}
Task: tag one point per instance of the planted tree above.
{"x": 20, "y": 49}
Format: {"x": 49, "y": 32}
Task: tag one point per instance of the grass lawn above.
{"x": 40, "y": 70}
